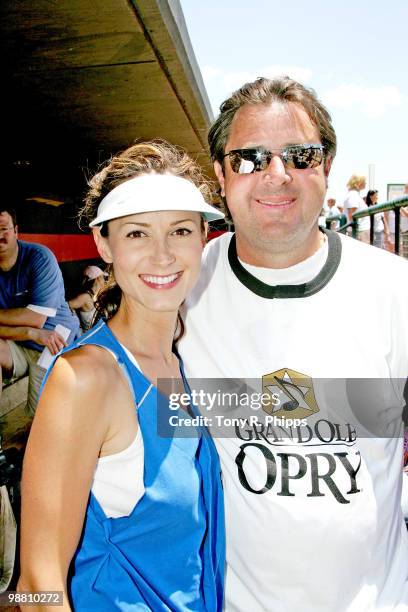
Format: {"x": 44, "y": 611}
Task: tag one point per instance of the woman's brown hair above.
{"x": 157, "y": 156}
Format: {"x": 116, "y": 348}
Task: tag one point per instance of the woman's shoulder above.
{"x": 79, "y": 392}
{"x": 86, "y": 369}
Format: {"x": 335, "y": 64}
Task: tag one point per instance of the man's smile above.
{"x": 276, "y": 201}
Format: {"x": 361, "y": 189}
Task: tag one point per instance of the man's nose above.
{"x": 276, "y": 173}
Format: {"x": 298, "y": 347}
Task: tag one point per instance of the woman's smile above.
{"x": 161, "y": 282}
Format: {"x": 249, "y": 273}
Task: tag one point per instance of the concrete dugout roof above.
{"x": 87, "y": 78}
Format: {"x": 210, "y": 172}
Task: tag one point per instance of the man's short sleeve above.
{"x": 46, "y": 288}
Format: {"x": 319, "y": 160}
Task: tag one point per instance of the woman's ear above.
{"x": 102, "y": 245}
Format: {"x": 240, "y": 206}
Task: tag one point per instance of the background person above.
{"x": 145, "y": 527}
{"x": 313, "y": 518}
{"x": 389, "y": 239}
{"x": 84, "y": 303}
{"x": 404, "y": 227}
{"x": 355, "y": 203}
{"x": 333, "y": 211}
{"x": 32, "y": 303}
{"x": 343, "y": 218}
{"x": 380, "y": 223}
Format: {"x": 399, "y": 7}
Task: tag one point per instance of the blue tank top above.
{"x": 169, "y": 553}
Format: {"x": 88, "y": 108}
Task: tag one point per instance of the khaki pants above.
{"x": 8, "y": 537}
{"x": 25, "y": 361}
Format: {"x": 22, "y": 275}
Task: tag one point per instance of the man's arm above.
{"x": 404, "y": 211}
{"x": 21, "y": 317}
{"x": 45, "y": 337}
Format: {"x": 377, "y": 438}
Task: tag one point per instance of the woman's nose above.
{"x": 162, "y": 253}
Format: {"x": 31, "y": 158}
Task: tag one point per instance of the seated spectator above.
{"x": 32, "y": 303}
{"x": 84, "y": 303}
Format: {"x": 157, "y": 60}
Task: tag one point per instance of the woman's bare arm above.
{"x": 68, "y": 431}
{"x": 82, "y": 301}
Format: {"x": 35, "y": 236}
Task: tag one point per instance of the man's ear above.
{"x": 327, "y": 166}
{"x": 102, "y": 245}
{"x": 220, "y": 176}
{"x": 16, "y": 230}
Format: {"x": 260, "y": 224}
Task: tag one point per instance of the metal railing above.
{"x": 392, "y": 205}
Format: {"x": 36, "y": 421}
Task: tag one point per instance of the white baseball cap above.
{"x": 93, "y": 272}
{"x": 154, "y": 192}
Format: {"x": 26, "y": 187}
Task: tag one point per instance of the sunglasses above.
{"x": 300, "y": 157}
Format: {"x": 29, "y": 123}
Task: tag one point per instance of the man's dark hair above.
{"x": 11, "y": 212}
{"x": 265, "y": 91}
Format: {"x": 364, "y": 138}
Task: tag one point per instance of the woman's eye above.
{"x": 181, "y": 231}
{"x": 135, "y": 234}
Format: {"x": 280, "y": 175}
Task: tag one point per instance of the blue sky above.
{"x": 353, "y": 53}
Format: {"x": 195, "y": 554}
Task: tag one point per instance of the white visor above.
{"x": 154, "y": 192}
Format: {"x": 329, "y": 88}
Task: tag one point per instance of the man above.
{"x": 313, "y": 512}
{"x": 333, "y": 212}
{"x": 333, "y": 208}
{"x": 32, "y": 303}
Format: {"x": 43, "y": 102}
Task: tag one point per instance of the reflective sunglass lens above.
{"x": 246, "y": 167}
{"x": 241, "y": 165}
{"x": 247, "y": 161}
{"x": 303, "y": 157}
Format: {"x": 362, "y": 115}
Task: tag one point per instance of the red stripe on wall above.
{"x": 66, "y": 247}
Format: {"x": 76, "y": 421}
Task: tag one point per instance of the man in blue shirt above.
{"x": 32, "y": 303}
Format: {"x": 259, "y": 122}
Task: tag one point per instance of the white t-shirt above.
{"x": 354, "y": 200}
{"x": 313, "y": 525}
{"x": 333, "y": 211}
{"x": 391, "y": 222}
{"x": 378, "y": 222}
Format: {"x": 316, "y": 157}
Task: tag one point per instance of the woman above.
{"x": 380, "y": 222}
{"x": 113, "y": 515}
{"x": 353, "y": 203}
{"x": 84, "y": 302}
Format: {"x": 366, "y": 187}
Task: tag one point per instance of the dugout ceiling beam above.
{"x": 84, "y": 79}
